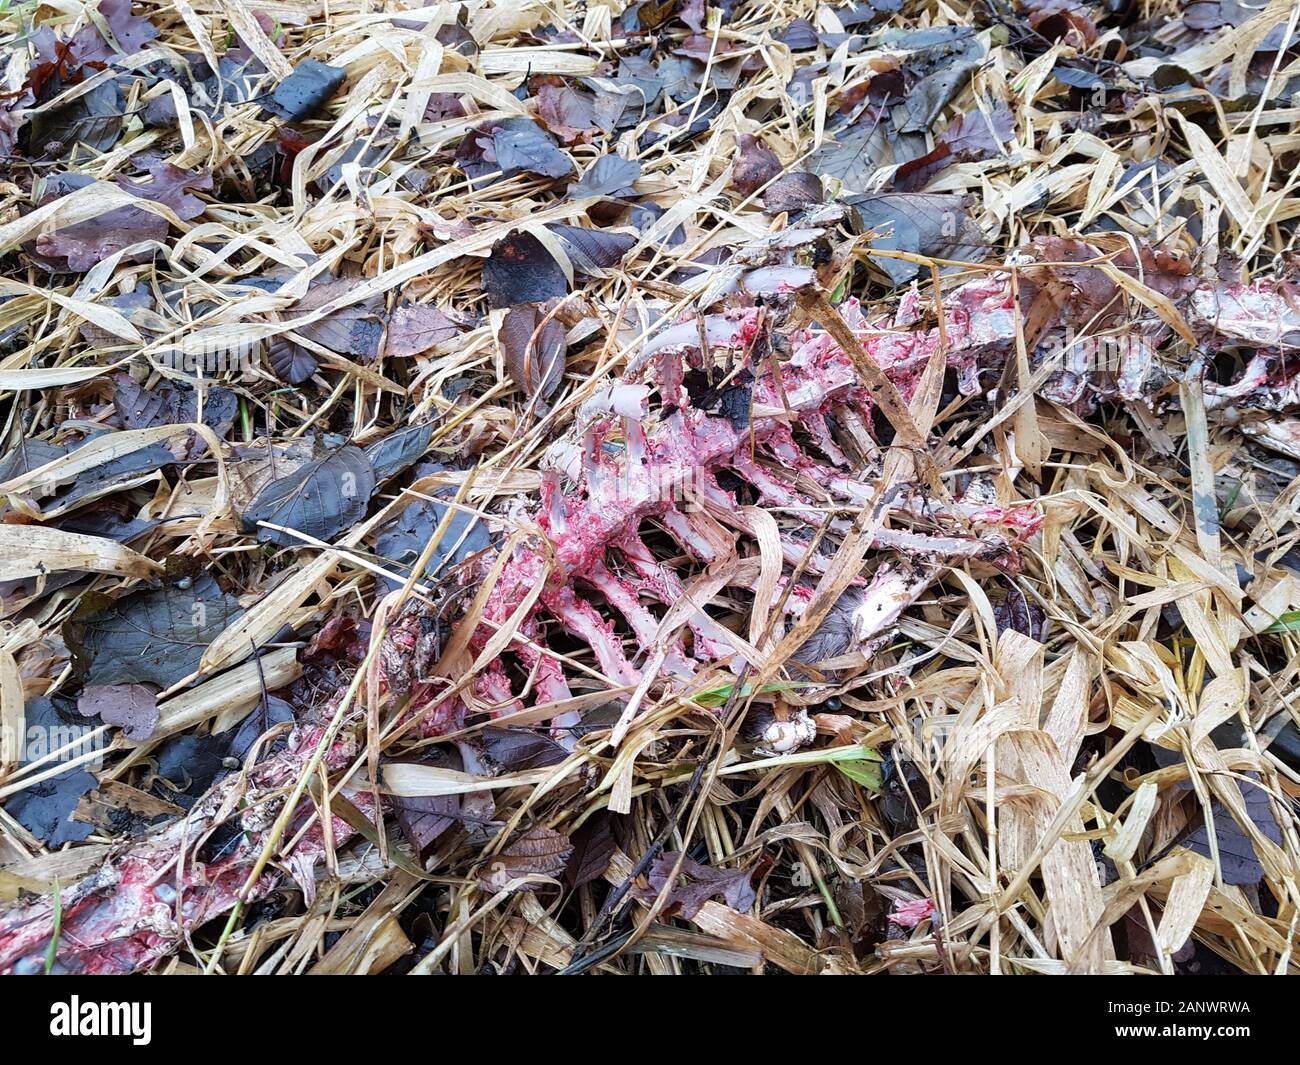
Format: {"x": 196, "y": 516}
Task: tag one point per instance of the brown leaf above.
{"x": 967, "y": 139}
{"x": 534, "y": 352}
{"x": 792, "y": 192}
{"x": 133, "y": 707}
{"x": 417, "y": 328}
{"x": 569, "y": 114}
{"x": 696, "y": 884}
{"x": 540, "y": 851}
{"x": 756, "y": 165}
{"x": 170, "y": 186}
{"x": 593, "y": 849}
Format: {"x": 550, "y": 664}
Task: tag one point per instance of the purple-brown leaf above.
{"x": 132, "y": 707}
{"x": 540, "y": 851}
{"x": 696, "y": 884}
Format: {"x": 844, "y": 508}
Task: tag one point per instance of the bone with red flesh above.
{"x": 663, "y": 585}
{"x": 1264, "y": 313}
{"x": 123, "y": 917}
{"x": 549, "y": 681}
{"x": 614, "y": 493}
{"x": 583, "y": 620}
{"x": 623, "y": 598}
{"x": 815, "y": 423}
{"x": 122, "y": 921}
{"x": 691, "y": 534}
{"x": 492, "y": 687}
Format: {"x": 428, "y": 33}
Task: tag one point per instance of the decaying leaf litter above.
{"x": 649, "y": 488}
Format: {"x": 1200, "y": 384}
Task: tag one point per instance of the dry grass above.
{"x": 1019, "y": 762}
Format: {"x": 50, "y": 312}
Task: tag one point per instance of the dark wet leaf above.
{"x": 417, "y": 328}
{"x": 269, "y": 712}
{"x": 321, "y": 498}
{"x": 855, "y": 155}
{"x": 792, "y": 192}
{"x": 1077, "y": 76}
{"x": 756, "y": 165}
{"x": 610, "y": 175}
{"x": 593, "y": 250}
{"x": 137, "y": 307}
{"x": 534, "y": 347}
{"x": 680, "y": 77}
{"x": 799, "y": 36}
{"x": 863, "y": 911}
{"x": 637, "y": 73}
{"x": 109, "y": 520}
{"x": 305, "y": 91}
{"x": 715, "y": 256}
{"x": 149, "y": 637}
{"x": 1237, "y": 856}
{"x": 403, "y": 540}
{"x": 456, "y": 38}
{"x": 521, "y": 270}
{"x": 514, "y": 750}
{"x": 521, "y": 145}
{"x": 132, "y": 707}
{"x": 695, "y": 885}
{"x": 355, "y": 329}
{"x": 132, "y": 33}
{"x": 398, "y": 450}
{"x": 172, "y": 403}
{"x": 423, "y": 818}
{"x": 1241, "y": 866}
{"x": 256, "y": 467}
{"x": 644, "y": 215}
{"x": 593, "y": 849}
{"x": 1286, "y": 745}
{"x": 117, "y": 473}
{"x": 367, "y": 156}
{"x": 293, "y": 364}
{"x": 1206, "y": 15}
{"x": 927, "y": 99}
{"x": 692, "y": 13}
{"x": 921, "y": 223}
{"x": 94, "y": 119}
{"x": 13, "y": 116}
{"x": 903, "y": 791}
{"x": 45, "y": 809}
{"x": 968, "y": 138}
{"x": 732, "y": 402}
{"x": 568, "y": 113}
{"x": 944, "y": 41}
{"x": 1017, "y": 613}
{"x": 189, "y": 765}
{"x": 80, "y": 246}
{"x": 27, "y": 455}
{"x": 539, "y": 851}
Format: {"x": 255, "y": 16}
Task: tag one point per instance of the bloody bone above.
{"x": 140, "y": 905}
{"x": 625, "y": 465}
